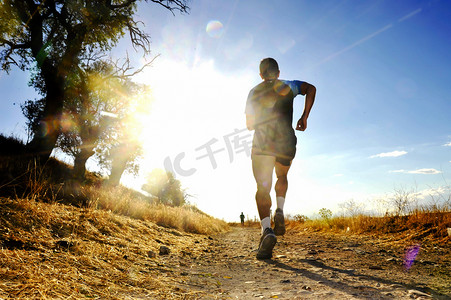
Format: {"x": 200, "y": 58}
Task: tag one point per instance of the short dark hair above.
{"x": 269, "y": 67}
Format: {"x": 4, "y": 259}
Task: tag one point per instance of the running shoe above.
{"x": 267, "y": 243}
{"x": 279, "y": 222}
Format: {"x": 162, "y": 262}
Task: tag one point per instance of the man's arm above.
{"x": 250, "y": 119}
{"x": 309, "y": 91}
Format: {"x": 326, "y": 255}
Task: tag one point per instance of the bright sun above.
{"x": 190, "y": 106}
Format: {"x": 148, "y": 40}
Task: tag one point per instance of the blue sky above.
{"x": 381, "y": 120}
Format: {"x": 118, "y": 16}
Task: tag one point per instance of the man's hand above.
{"x": 310, "y": 92}
{"x": 302, "y": 124}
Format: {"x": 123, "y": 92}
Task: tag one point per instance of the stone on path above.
{"x": 164, "y": 250}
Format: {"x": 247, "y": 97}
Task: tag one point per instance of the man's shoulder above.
{"x": 258, "y": 89}
{"x": 260, "y": 86}
{"x": 295, "y": 85}
{"x": 292, "y": 82}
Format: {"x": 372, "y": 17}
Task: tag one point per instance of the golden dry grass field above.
{"x": 55, "y": 251}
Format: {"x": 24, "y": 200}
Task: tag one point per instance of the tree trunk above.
{"x": 45, "y": 139}
{"x": 54, "y": 73}
{"x": 80, "y": 163}
{"x": 119, "y": 162}
{"x": 117, "y": 169}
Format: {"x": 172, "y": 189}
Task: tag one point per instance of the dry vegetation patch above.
{"x": 60, "y": 251}
{"x": 421, "y": 226}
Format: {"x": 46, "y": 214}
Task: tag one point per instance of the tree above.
{"x": 165, "y": 188}
{"x": 99, "y": 116}
{"x": 50, "y": 36}
{"x": 120, "y": 146}
{"x": 402, "y": 199}
{"x": 352, "y": 208}
{"x": 325, "y": 214}
{"x": 33, "y": 111}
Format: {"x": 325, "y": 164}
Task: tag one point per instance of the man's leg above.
{"x": 281, "y": 191}
{"x": 282, "y": 181}
{"x": 263, "y": 167}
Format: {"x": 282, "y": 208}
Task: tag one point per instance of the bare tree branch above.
{"x": 173, "y": 5}
{"x": 138, "y": 37}
{"x": 143, "y": 67}
{"x": 123, "y": 70}
{"x": 92, "y": 56}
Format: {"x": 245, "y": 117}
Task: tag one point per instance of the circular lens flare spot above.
{"x": 215, "y": 29}
{"x": 410, "y": 256}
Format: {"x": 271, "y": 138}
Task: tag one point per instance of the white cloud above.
{"x": 418, "y": 171}
{"x": 440, "y": 193}
{"x": 447, "y": 144}
{"x": 390, "y": 154}
{"x": 425, "y": 171}
{"x": 398, "y": 171}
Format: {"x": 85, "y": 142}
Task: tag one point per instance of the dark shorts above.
{"x": 283, "y": 147}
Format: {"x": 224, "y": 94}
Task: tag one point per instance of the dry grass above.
{"x": 60, "y": 239}
{"x": 420, "y": 225}
{"x": 53, "y": 183}
{"x": 59, "y": 251}
{"x": 123, "y": 201}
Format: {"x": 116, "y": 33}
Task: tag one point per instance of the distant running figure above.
{"x": 269, "y": 112}
{"x": 242, "y": 219}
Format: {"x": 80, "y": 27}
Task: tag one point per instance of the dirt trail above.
{"x": 309, "y": 266}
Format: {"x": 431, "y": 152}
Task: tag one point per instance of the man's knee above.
{"x": 262, "y": 192}
{"x": 264, "y": 185}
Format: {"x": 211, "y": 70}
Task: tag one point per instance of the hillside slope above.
{"x": 59, "y": 251}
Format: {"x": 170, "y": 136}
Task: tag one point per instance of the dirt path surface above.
{"x": 309, "y": 266}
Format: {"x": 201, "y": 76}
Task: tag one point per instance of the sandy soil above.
{"x": 310, "y": 266}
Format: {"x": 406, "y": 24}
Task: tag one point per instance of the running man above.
{"x": 269, "y": 112}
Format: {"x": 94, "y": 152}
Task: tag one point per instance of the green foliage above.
{"x": 59, "y": 30}
{"x": 165, "y": 188}
{"x": 99, "y": 115}
{"x": 51, "y": 37}
{"x": 33, "y": 112}
{"x": 325, "y": 214}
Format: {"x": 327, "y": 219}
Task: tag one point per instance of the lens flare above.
{"x": 66, "y": 122}
{"x": 45, "y": 128}
{"x": 409, "y": 257}
{"x": 215, "y": 29}
{"x": 48, "y": 127}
